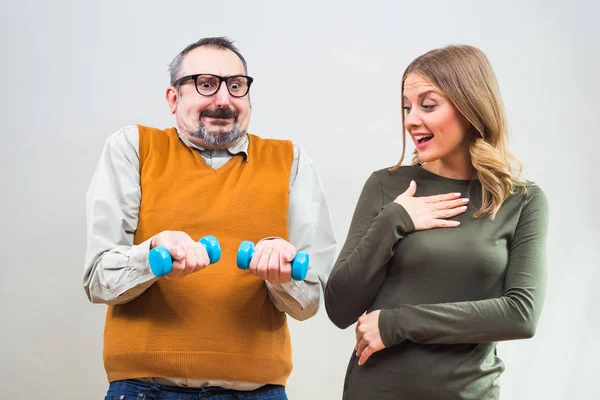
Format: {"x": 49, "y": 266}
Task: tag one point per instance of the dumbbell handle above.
{"x": 161, "y": 262}
{"x": 299, "y": 263}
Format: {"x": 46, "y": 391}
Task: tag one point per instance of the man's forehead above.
{"x": 212, "y": 60}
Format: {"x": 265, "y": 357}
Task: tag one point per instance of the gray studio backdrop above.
{"x": 327, "y": 75}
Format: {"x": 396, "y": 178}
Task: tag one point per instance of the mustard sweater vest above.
{"x": 218, "y": 323}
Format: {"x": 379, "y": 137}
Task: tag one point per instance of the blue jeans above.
{"x": 133, "y": 390}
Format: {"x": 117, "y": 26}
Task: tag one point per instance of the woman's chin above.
{"x": 426, "y": 156}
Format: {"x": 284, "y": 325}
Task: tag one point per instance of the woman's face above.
{"x": 438, "y": 130}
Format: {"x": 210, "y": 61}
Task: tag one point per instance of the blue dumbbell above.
{"x": 161, "y": 262}
{"x": 299, "y": 263}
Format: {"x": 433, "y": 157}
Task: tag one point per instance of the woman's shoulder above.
{"x": 395, "y": 173}
{"x": 528, "y": 188}
{"x": 530, "y": 194}
{"x": 389, "y": 181}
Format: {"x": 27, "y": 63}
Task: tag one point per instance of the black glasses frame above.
{"x": 221, "y": 79}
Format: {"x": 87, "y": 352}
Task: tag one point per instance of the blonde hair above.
{"x": 464, "y": 74}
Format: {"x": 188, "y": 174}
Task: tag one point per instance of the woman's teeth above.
{"x": 423, "y": 138}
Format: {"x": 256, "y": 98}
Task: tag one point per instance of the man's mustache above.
{"x": 219, "y": 113}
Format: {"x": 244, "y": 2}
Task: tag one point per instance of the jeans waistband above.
{"x": 134, "y": 387}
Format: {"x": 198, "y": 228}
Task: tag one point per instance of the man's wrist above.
{"x": 270, "y": 238}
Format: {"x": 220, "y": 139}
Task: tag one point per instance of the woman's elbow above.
{"x": 339, "y": 321}
{"x": 526, "y": 315}
{"x": 527, "y": 328}
{"x": 336, "y": 315}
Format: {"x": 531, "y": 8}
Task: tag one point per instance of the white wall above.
{"x": 327, "y": 75}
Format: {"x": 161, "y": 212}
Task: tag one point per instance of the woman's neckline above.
{"x": 423, "y": 172}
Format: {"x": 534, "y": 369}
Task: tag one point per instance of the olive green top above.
{"x": 447, "y": 295}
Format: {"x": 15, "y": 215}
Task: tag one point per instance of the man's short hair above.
{"x": 217, "y": 42}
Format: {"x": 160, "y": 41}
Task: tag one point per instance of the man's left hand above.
{"x": 271, "y": 260}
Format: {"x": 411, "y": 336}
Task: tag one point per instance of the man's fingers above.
{"x": 202, "y": 259}
{"x": 285, "y": 268}
{"x": 176, "y": 250}
{"x": 288, "y": 255}
{"x": 178, "y": 269}
{"x": 262, "y": 265}
{"x": 190, "y": 257}
{"x": 254, "y": 261}
{"x": 273, "y": 267}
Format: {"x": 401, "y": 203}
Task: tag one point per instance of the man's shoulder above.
{"x": 267, "y": 140}
{"x": 151, "y": 130}
{"x": 263, "y": 143}
{"x": 124, "y": 137}
{"x": 133, "y": 131}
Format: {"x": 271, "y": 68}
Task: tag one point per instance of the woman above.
{"x": 444, "y": 257}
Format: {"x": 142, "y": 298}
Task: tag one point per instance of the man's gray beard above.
{"x": 219, "y": 137}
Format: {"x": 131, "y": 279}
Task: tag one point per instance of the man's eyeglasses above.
{"x": 208, "y": 84}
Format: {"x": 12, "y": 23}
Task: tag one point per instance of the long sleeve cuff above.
{"x": 121, "y": 275}
{"x": 397, "y": 216}
{"x": 139, "y": 263}
{"x": 300, "y": 300}
{"x": 389, "y": 328}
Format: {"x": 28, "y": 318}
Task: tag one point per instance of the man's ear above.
{"x": 172, "y": 96}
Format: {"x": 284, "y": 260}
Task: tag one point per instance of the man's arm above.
{"x": 310, "y": 230}
{"x": 116, "y": 271}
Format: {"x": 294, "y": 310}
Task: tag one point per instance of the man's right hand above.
{"x": 188, "y": 255}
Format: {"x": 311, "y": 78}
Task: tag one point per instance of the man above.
{"x": 204, "y": 329}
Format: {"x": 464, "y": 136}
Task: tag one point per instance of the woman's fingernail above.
{"x": 465, "y": 200}
{"x": 412, "y": 183}
{"x": 463, "y": 208}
